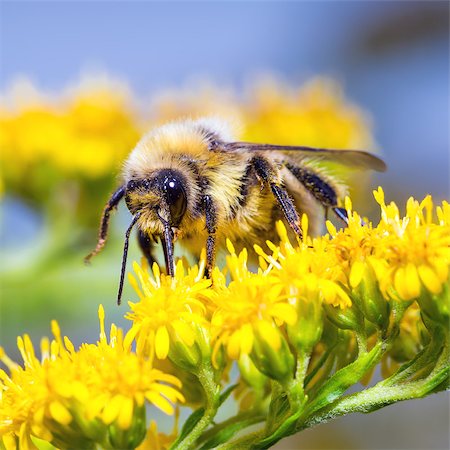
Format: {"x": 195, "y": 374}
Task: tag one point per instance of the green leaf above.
{"x": 189, "y": 425}
{"x": 226, "y": 433}
{"x": 225, "y": 394}
{"x": 286, "y": 428}
{"x": 344, "y": 378}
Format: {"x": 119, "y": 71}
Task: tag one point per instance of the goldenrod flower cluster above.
{"x": 301, "y": 320}
{"x": 71, "y": 398}
{"x": 80, "y": 134}
{"x": 312, "y": 319}
{"x": 315, "y": 310}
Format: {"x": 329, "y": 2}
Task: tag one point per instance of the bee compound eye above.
{"x": 132, "y": 185}
{"x": 176, "y": 198}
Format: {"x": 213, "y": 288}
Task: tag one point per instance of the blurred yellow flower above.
{"x": 315, "y": 114}
{"x": 86, "y": 131}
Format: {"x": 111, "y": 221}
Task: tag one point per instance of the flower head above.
{"x": 170, "y": 310}
{"x": 416, "y": 248}
{"x": 85, "y": 396}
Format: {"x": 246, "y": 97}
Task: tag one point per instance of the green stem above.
{"x": 244, "y": 419}
{"x": 361, "y": 339}
{"x": 245, "y": 442}
{"x": 382, "y": 395}
{"x": 212, "y": 390}
{"x": 295, "y": 388}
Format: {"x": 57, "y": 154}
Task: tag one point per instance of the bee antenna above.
{"x": 124, "y": 257}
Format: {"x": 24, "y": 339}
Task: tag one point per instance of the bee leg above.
{"x": 104, "y": 223}
{"x": 211, "y": 226}
{"x": 319, "y": 188}
{"x": 146, "y": 244}
{"x": 267, "y": 173}
{"x": 342, "y": 214}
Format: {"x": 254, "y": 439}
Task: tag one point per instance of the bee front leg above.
{"x": 268, "y": 174}
{"x": 146, "y": 244}
{"x": 104, "y": 224}
{"x": 211, "y": 226}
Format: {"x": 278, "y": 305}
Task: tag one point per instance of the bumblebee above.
{"x": 191, "y": 181}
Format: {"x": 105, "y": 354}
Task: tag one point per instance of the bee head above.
{"x": 163, "y": 192}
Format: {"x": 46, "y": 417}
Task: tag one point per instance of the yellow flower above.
{"x": 155, "y": 440}
{"x": 251, "y": 303}
{"x": 315, "y": 113}
{"x": 309, "y": 270}
{"x": 83, "y": 133}
{"x": 170, "y": 310}
{"x": 82, "y": 397}
{"x": 416, "y": 248}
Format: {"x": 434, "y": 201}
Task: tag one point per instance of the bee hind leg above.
{"x": 268, "y": 175}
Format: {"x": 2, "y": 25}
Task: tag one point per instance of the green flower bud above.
{"x": 271, "y": 354}
{"x": 345, "y": 319}
{"x": 367, "y": 295}
{"x": 190, "y": 357}
{"x": 132, "y": 436}
{"x": 306, "y": 332}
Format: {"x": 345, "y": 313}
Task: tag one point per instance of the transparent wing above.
{"x": 352, "y": 158}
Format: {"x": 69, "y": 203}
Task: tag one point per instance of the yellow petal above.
{"x": 234, "y": 345}
{"x": 400, "y": 283}
{"x": 379, "y": 196}
{"x": 356, "y": 273}
{"x": 60, "y": 413}
{"x": 441, "y": 268}
{"x": 184, "y": 331}
{"x": 284, "y": 312}
{"x": 162, "y": 343}
{"x": 111, "y": 410}
{"x": 246, "y": 337}
{"x": 345, "y": 300}
{"x": 160, "y": 402}
{"x": 125, "y": 414}
{"x": 94, "y": 406}
{"x": 430, "y": 279}
{"x": 25, "y": 442}
{"x": 412, "y": 280}
{"x": 9, "y": 441}
{"x": 269, "y": 333}
{"x": 331, "y": 228}
{"x": 170, "y": 393}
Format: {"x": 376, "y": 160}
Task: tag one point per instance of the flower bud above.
{"x": 132, "y": 436}
{"x": 345, "y": 319}
{"x": 305, "y": 333}
{"x": 367, "y": 295}
{"x": 271, "y": 354}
